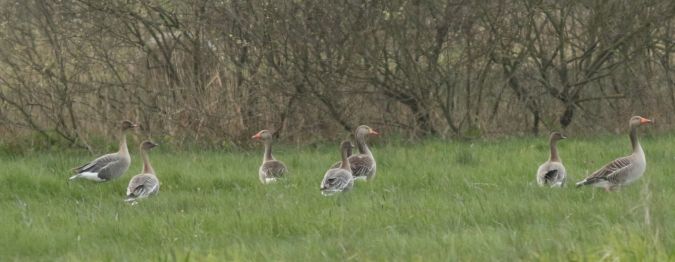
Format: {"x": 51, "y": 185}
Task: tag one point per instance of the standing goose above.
{"x": 110, "y": 166}
{"x": 363, "y": 164}
{"x": 339, "y": 179}
{"x": 146, "y": 183}
{"x": 271, "y": 169}
{"x": 624, "y": 170}
{"x": 552, "y": 172}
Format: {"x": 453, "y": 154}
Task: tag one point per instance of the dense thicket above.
{"x": 213, "y": 72}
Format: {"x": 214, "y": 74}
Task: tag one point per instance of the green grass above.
{"x": 435, "y": 200}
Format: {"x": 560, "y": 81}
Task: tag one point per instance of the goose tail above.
{"x": 131, "y": 199}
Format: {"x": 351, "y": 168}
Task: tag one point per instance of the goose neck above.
{"x": 124, "y": 150}
{"x": 267, "y": 156}
{"x": 345, "y": 159}
{"x": 635, "y": 143}
{"x": 554, "y": 151}
{"x": 361, "y": 144}
{"x": 147, "y": 167}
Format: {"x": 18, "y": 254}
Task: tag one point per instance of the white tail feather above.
{"x": 362, "y": 178}
{"x": 580, "y": 183}
{"x": 87, "y": 175}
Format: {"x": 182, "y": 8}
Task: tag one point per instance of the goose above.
{"x": 271, "y": 169}
{"x": 110, "y": 166}
{"x": 625, "y": 170}
{"x": 339, "y": 179}
{"x": 552, "y": 172}
{"x": 146, "y": 183}
{"x": 363, "y": 165}
{"x": 349, "y": 152}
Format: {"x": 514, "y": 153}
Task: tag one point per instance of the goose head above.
{"x": 128, "y": 125}
{"x": 364, "y": 130}
{"x": 555, "y": 136}
{"x": 147, "y": 145}
{"x": 638, "y": 121}
{"x": 346, "y": 147}
{"x": 264, "y": 135}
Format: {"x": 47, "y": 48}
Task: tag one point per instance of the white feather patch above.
{"x": 602, "y": 184}
{"x": 88, "y": 175}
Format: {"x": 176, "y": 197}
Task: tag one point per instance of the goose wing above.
{"x": 361, "y": 165}
{"x": 337, "y": 180}
{"x": 142, "y": 185}
{"x": 274, "y": 168}
{"x": 611, "y": 172}
{"x": 97, "y": 164}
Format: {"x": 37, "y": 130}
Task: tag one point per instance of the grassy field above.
{"x": 433, "y": 200}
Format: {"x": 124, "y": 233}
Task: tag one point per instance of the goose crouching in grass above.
{"x": 146, "y": 183}
{"x": 552, "y": 172}
{"x": 363, "y": 165}
{"x": 625, "y": 170}
{"x": 339, "y": 179}
{"x": 110, "y": 166}
{"x": 271, "y": 169}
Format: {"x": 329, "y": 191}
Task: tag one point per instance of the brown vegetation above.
{"x": 212, "y": 72}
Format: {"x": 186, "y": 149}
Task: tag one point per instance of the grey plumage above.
{"x": 335, "y": 181}
{"x": 552, "y": 172}
{"x": 611, "y": 175}
{"x": 550, "y": 176}
{"x": 624, "y": 170}
{"x": 146, "y": 183}
{"x": 271, "y": 169}
{"x": 339, "y": 179}
{"x": 106, "y": 167}
{"x": 109, "y": 166}
{"x": 142, "y": 186}
{"x": 363, "y": 165}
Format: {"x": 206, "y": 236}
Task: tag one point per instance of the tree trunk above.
{"x": 566, "y": 118}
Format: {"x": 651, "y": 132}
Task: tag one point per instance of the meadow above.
{"x": 431, "y": 200}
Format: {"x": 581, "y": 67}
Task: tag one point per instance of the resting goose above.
{"x": 146, "y": 183}
{"x": 110, "y": 166}
{"x": 339, "y": 179}
{"x": 624, "y": 170}
{"x": 349, "y": 154}
{"x": 271, "y": 169}
{"x": 363, "y": 165}
{"x": 552, "y": 172}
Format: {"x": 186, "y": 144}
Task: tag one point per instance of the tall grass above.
{"x": 436, "y": 200}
